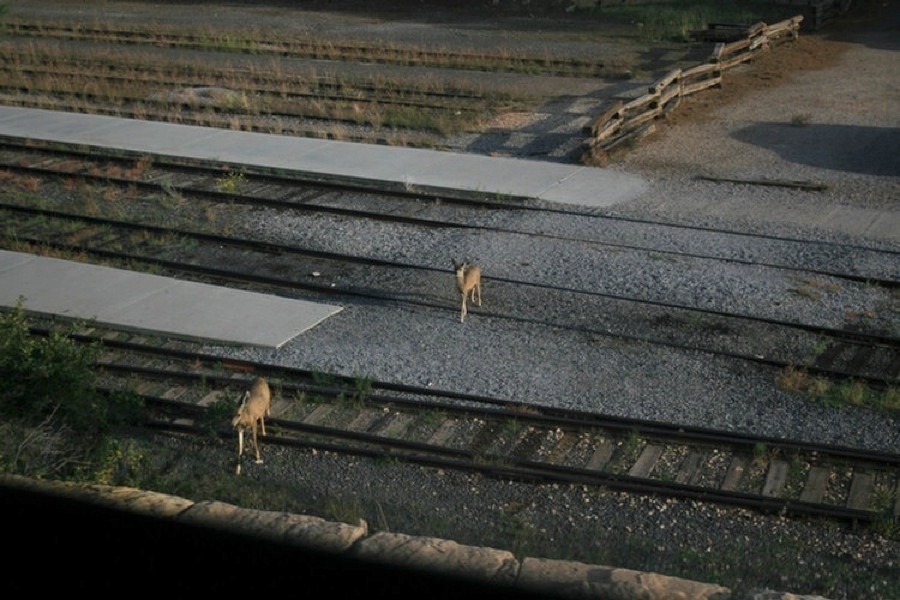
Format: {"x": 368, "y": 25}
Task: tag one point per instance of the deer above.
{"x": 468, "y": 284}
{"x": 254, "y": 407}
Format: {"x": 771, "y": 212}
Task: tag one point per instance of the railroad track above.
{"x": 498, "y": 437}
{"x": 190, "y": 392}
{"x": 865, "y": 356}
{"x": 309, "y": 48}
{"x": 872, "y": 358}
{"x": 305, "y": 193}
{"x": 269, "y": 85}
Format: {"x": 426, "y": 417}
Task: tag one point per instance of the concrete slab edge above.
{"x": 554, "y": 578}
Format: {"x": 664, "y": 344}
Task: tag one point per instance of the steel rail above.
{"x": 229, "y": 274}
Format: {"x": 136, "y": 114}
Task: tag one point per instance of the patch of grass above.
{"x": 801, "y": 120}
{"x": 511, "y": 429}
{"x": 231, "y": 182}
{"x": 818, "y": 348}
{"x": 627, "y": 452}
{"x": 346, "y": 509}
{"x": 433, "y": 417}
{"x": 675, "y": 20}
{"x": 761, "y": 453}
{"x": 814, "y": 288}
{"x": 362, "y": 387}
{"x": 517, "y": 530}
{"x": 844, "y": 393}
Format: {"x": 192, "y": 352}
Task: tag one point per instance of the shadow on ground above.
{"x": 849, "y": 148}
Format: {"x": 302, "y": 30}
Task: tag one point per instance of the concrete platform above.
{"x": 124, "y": 299}
{"x": 404, "y": 167}
{"x": 137, "y": 301}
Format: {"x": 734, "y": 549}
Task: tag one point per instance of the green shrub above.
{"x": 675, "y": 20}
{"x": 54, "y": 375}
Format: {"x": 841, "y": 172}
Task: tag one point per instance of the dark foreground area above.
{"x": 65, "y": 545}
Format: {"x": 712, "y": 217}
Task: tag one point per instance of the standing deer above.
{"x": 254, "y": 407}
{"x": 468, "y": 284}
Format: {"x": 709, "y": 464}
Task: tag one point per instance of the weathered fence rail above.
{"x": 623, "y": 122}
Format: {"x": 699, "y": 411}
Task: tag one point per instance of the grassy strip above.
{"x": 308, "y": 45}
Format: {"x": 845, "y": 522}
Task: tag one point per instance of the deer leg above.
{"x": 262, "y": 423}
{"x": 237, "y": 469}
{"x": 256, "y": 448}
{"x": 463, "y": 311}
{"x": 476, "y": 289}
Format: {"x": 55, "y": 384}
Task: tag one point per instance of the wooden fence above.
{"x": 625, "y": 122}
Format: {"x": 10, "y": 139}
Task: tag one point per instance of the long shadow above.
{"x": 850, "y": 148}
{"x": 874, "y": 23}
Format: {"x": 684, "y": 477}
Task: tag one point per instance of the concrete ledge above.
{"x": 313, "y": 533}
{"x": 151, "y": 504}
{"x": 472, "y": 563}
{"x": 139, "y": 533}
{"x": 578, "y": 580}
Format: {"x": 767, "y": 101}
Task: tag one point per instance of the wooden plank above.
{"x": 631, "y": 136}
{"x": 861, "y": 491}
{"x": 700, "y": 70}
{"x": 601, "y": 456}
{"x": 673, "y": 92}
{"x": 608, "y": 114}
{"x": 393, "y": 425}
{"x": 611, "y": 130}
{"x": 643, "y": 118}
{"x": 690, "y": 468}
{"x": 775, "y": 478}
{"x": 733, "y": 62}
{"x": 211, "y": 397}
{"x": 646, "y": 461}
{"x": 816, "y": 485}
{"x": 443, "y": 433}
{"x": 701, "y": 85}
{"x": 759, "y": 43}
{"x": 175, "y": 393}
{"x": 150, "y": 388}
{"x": 757, "y": 29}
{"x": 672, "y": 105}
{"x": 792, "y": 23}
{"x": 734, "y": 474}
{"x": 776, "y": 31}
{"x": 665, "y": 81}
{"x": 319, "y": 414}
{"x": 735, "y": 47}
{"x": 279, "y": 406}
{"x": 562, "y": 448}
{"x": 363, "y": 420}
{"x": 639, "y": 102}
